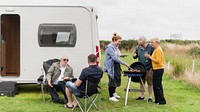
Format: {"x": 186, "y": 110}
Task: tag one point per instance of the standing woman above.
{"x": 112, "y": 66}
{"x": 158, "y": 69}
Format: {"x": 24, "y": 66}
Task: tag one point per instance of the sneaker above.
{"x": 140, "y": 98}
{"x": 149, "y": 100}
{"x": 116, "y": 96}
{"x": 113, "y": 99}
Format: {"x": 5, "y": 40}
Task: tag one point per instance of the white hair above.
{"x": 157, "y": 40}
{"x": 143, "y": 38}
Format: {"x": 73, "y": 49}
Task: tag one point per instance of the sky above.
{"x": 165, "y": 19}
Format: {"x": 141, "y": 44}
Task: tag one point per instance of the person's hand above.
{"x": 127, "y": 65}
{"x": 147, "y": 55}
{"x": 49, "y": 83}
{"x": 135, "y": 54}
{"x": 66, "y": 78}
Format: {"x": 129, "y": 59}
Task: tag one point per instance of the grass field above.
{"x": 180, "y": 97}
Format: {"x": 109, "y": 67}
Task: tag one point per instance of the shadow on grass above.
{"x": 29, "y": 88}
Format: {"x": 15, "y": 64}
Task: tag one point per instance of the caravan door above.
{"x": 10, "y": 45}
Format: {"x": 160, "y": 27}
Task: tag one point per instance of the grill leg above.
{"x": 127, "y": 90}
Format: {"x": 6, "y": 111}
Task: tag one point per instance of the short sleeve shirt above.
{"x": 93, "y": 70}
{"x": 142, "y": 58}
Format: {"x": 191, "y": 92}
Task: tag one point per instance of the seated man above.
{"x": 58, "y": 73}
{"x": 93, "y": 70}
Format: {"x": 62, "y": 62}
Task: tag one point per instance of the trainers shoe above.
{"x": 140, "y": 98}
{"x": 113, "y": 99}
{"x": 116, "y": 96}
{"x": 149, "y": 100}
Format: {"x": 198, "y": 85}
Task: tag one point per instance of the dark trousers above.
{"x": 157, "y": 86}
{"x": 111, "y": 90}
{"x": 53, "y": 91}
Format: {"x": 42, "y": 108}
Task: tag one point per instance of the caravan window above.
{"x": 57, "y": 35}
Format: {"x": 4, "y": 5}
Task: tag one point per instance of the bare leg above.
{"x": 142, "y": 88}
{"x": 150, "y": 89}
{"x": 75, "y": 102}
{"x": 69, "y": 97}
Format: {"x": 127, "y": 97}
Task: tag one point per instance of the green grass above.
{"x": 179, "y": 95}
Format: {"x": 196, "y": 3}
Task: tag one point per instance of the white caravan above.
{"x": 33, "y": 34}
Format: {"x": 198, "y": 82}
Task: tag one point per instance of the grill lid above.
{"x": 138, "y": 66}
{"x": 140, "y": 71}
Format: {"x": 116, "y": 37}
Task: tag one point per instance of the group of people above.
{"x": 149, "y": 54}
{"x": 60, "y": 73}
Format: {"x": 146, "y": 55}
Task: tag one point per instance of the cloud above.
{"x": 133, "y": 18}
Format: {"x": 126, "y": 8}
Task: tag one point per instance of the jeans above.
{"x": 72, "y": 88}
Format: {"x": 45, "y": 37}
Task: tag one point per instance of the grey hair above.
{"x": 157, "y": 40}
{"x": 143, "y": 38}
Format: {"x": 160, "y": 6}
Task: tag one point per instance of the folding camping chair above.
{"x": 42, "y": 79}
{"x": 91, "y": 93}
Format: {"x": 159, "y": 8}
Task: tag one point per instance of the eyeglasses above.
{"x": 65, "y": 59}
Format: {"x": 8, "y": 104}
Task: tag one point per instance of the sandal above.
{"x": 75, "y": 106}
{"x": 67, "y": 106}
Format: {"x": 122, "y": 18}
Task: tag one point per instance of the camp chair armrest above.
{"x": 40, "y": 79}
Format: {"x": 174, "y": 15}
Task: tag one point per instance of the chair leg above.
{"x": 85, "y": 103}
{"x": 78, "y": 104}
{"x": 42, "y": 92}
{"x": 93, "y": 103}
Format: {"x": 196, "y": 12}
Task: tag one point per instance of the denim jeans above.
{"x": 72, "y": 88}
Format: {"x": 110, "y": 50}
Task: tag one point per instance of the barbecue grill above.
{"x": 136, "y": 73}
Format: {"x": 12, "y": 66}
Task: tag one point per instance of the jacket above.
{"x": 111, "y": 56}
{"x": 55, "y": 70}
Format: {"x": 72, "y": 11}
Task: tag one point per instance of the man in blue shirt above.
{"x": 143, "y": 48}
{"x": 93, "y": 70}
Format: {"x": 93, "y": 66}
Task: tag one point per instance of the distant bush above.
{"x": 181, "y": 42}
{"x": 179, "y": 67}
{"x": 103, "y": 44}
{"x": 194, "y": 51}
{"x": 126, "y": 45}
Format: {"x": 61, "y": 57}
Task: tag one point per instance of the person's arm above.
{"x": 49, "y": 75}
{"x": 158, "y": 56}
{"x": 111, "y": 53}
{"x": 135, "y": 53}
{"x": 78, "y": 82}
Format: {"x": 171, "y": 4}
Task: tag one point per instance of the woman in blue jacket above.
{"x": 112, "y": 66}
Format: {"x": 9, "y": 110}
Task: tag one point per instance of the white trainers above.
{"x": 113, "y": 99}
{"x": 116, "y": 96}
